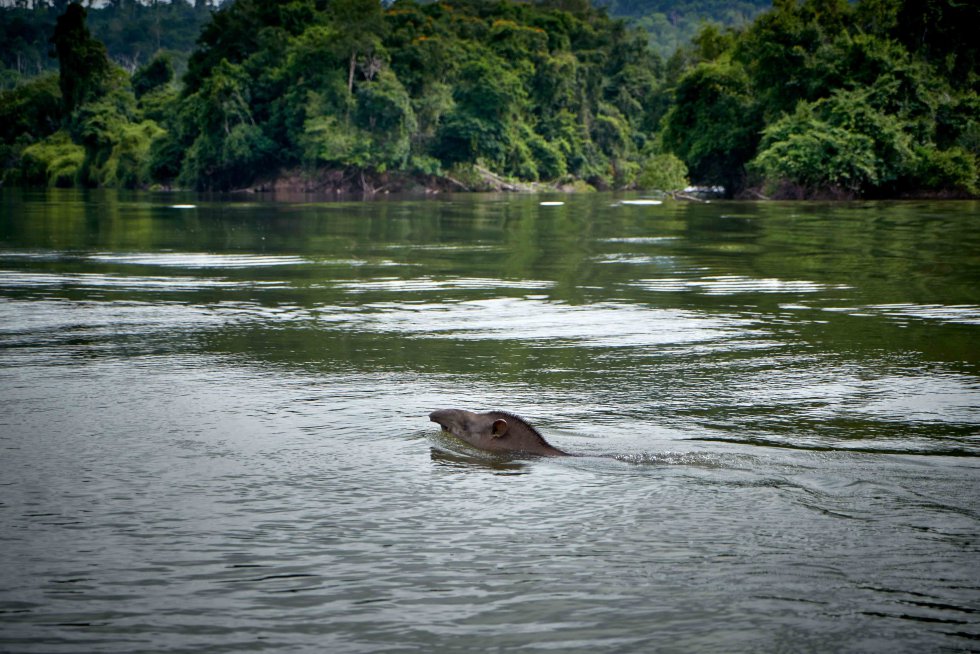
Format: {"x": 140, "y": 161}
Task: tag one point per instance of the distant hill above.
{"x": 672, "y": 23}
{"x": 131, "y": 31}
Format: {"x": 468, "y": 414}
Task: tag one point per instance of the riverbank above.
{"x": 370, "y": 182}
{"x": 795, "y": 192}
{"x": 477, "y": 179}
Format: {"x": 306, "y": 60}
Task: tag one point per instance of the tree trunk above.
{"x": 350, "y": 74}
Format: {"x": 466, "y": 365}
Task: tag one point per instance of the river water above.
{"x": 214, "y": 434}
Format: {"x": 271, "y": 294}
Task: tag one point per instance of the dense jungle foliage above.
{"x": 813, "y": 98}
{"x": 133, "y": 30}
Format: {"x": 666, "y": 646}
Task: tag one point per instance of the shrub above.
{"x": 953, "y": 170}
{"x": 663, "y": 172}
{"x": 55, "y": 161}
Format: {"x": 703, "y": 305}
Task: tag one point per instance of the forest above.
{"x": 672, "y": 24}
{"x": 811, "y": 99}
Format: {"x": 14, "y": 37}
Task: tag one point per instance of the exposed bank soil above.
{"x": 344, "y": 182}
{"x": 479, "y": 179}
{"x": 367, "y": 182}
{"x": 790, "y": 191}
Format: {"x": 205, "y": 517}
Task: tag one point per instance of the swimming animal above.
{"x": 495, "y": 431}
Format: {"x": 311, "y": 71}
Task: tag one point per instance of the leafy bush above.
{"x": 808, "y": 152}
{"x": 326, "y": 140}
{"x": 663, "y": 172}
{"x": 128, "y": 164}
{"x": 55, "y": 161}
{"x": 841, "y": 142}
{"x": 954, "y": 169}
{"x": 550, "y": 160}
{"x": 164, "y": 158}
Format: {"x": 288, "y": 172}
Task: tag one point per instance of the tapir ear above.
{"x": 500, "y": 427}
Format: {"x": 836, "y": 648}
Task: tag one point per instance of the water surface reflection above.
{"x": 214, "y": 435}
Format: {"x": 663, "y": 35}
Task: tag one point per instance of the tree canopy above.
{"x": 814, "y": 98}
{"x": 528, "y": 91}
{"x": 824, "y": 97}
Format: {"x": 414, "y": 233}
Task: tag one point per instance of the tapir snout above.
{"x": 495, "y": 431}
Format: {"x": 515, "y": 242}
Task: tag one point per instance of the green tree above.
{"x": 360, "y": 25}
{"x": 384, "y": 109}
{"x": 32, "y": 110}
{"x": 154, "y": 75}
{"x": 229, "y": 147}
{"x": 713, "y": 126}
{"x": 945, "y": 33}
{"x": 85, "y": 69}
{"x": 841, "y": 142}
{"x": 488, "y": 98}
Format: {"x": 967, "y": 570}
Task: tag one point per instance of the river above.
{"x": 214, "y": 433}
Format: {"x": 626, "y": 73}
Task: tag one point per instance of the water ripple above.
{"x": 111, "y": 281}
{"x": 733, "y": 284}
{"x": 642, "y": 240}
{"x": 965, "y": 314}
{"x": 417, "y": 284}
{"x": 200, "y": 260}
{"x": 551, "y": 323}
{"x": 235, "y": 469}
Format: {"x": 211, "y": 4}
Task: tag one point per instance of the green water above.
{"x": 213, "y": 422}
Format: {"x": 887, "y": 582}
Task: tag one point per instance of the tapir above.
{"x": 495, "y": 431}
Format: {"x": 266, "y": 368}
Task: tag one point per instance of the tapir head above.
{"x": 496, "y": 431}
